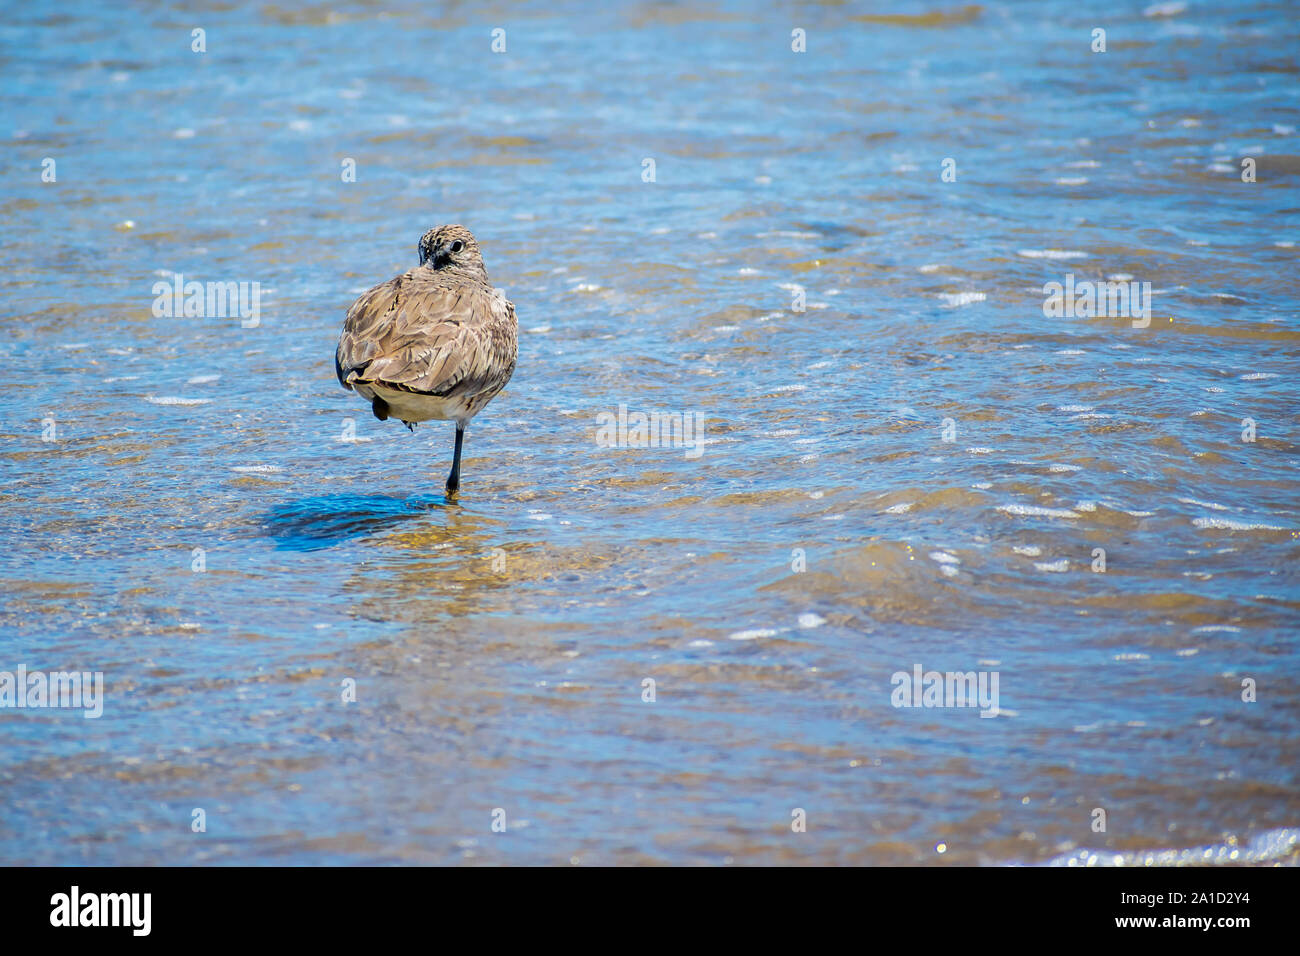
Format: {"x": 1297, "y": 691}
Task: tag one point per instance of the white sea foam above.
{"x": 1204, "y": 504}
{"x": 1227, "y": 524}
{"x": 1170, "y": 8}
{"x": 1269, "y": 846}
{"x": 175, "y": 400}
{"x": 956, "y": 299}
{"x": 1051, "y": 254}
{"x": 1035, "y": 511}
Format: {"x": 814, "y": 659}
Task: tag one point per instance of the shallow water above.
{"x": 825, "y": 537}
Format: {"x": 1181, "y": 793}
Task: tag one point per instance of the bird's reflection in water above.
{"x": 432, "y": 573}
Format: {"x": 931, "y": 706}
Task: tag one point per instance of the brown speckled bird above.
{"x": 438, "y": 342}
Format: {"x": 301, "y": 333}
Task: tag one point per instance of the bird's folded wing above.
{"x": 422, "y": 338}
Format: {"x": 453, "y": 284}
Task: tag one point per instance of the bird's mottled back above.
{"x": 440, "y": 329}
{"x": 438, "y": 342}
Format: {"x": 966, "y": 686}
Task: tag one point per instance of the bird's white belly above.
{"x": 410, "y": 407}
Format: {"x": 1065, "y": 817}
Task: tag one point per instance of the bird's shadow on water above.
{"x": 322, "y": 521}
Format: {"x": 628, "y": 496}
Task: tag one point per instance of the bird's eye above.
{"x": 457, "y": 246}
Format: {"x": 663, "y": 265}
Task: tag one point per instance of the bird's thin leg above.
{"x": 453, "y": 480}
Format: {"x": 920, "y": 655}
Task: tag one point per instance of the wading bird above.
{"x": 438, "y": 342}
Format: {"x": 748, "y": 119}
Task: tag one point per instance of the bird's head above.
{"x": 453, "y": 249}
